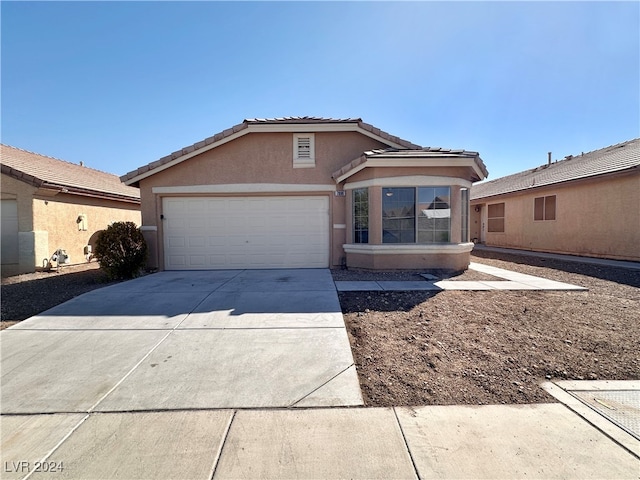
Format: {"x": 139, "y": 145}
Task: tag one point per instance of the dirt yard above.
{"x": 488, "y": 347}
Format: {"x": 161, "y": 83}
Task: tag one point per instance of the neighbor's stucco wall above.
{"x": 261, "y": 158}
{"x": 58, "y": 216}
{"x": 594, "y": 217}
{"x": 22, "y": 193}
{"x": 46, "y": 223}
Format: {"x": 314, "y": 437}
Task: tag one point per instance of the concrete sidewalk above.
{"x": 511, "y": 281}
{"x": 557, "y": 256}
{"x": 545, "y": 441}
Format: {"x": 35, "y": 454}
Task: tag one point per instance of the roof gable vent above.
{"x": 304, "y": 150}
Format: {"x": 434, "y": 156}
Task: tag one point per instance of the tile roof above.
{"x": 302, "y": 120}
{"x": 48, "y": 172}
{"x": 615, "y": 158}
{"x": 264, "y": 121}
{"x": 423, "y": 152}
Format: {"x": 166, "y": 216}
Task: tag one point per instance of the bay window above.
{"x": 416, "y": 215}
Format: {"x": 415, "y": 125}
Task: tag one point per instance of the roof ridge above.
{"x": 618, "y": 157}
{"x": 604, "y": 148}
{"x": 57, "y": 159}
{"x": 306, "y": 117}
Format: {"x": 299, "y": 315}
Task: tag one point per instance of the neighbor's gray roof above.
{"x": 615, "y": 158}
{"x": 260, "y": 121}
{"x": 48, "y": 172}
{"x": 416, "y": 152}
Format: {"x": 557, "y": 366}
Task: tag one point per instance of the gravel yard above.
{"x": 24, "y": 296}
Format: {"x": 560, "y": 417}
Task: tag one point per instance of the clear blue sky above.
{"x": 121, "y": 84}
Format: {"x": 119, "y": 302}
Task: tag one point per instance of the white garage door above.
{"x": 246, "y": 232}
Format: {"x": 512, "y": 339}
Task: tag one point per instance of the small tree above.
{"x": 121, "y": 250}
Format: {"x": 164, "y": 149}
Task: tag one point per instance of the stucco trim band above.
{"x": 408, "y": 249}
{"x": 245, "y": 188}
{"x": 409, "y": 181}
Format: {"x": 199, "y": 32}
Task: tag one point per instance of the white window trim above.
{"x": 304, "y": 162}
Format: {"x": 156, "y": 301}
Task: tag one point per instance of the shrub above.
{"x": 121, "y": 250}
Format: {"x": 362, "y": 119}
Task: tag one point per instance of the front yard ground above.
{"x": 488, "y": 347}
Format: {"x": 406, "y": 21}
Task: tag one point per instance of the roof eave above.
{"x": 421, "y": 160}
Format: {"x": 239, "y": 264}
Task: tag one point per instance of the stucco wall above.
{"x": 58, "y": 216}
{"x": 22, "y": 193}
{"x": 46, "y": 223}
{"x": 261, "y": 158}
{"x": 595, "y": 217}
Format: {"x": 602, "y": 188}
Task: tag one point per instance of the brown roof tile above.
{"x": 615, "y": 158}
{"x": 40, "y": 170}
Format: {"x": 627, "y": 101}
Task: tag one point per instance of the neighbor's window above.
{"x": 544, "y": 208}
{"x": 361, "y": 215}
{"x": 304, "y": 150}
{"x": 416, "y": 215}
{"x": 464, "y": 199}
{"x": 495, "y": 218}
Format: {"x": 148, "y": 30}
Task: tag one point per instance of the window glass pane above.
{"x": 495, "y": 218}
{"x": 550, "y": 207}
{"x": 361, "y": 215}
{"x": 434, "y": 214}
{"x": 538, "y": 208}
{"x": 495, "y": 225}
{"x": 464, "y": 200}
{"x": 495, "y": 210}
{"x": 398, "y": 215}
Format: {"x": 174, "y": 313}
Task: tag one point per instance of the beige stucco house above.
{"x": 586, "y": 205}
{"x": 307, "y": 192}
{"x": 49, "y": 205}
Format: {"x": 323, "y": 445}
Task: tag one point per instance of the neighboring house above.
{"x": 306, "y": 192}
{"x": 50, "y": 204}
{"x": 585, "y": 205}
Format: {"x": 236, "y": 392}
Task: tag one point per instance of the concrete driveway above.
{"x": 185, "y": 340}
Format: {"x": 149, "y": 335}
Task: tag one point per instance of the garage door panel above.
{"x": 251, "y": 232}
{"x": 176, "y": 242}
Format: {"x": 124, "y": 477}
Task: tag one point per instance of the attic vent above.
{"x": 304, "y": 147}
{"x": 304, "y": 150}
